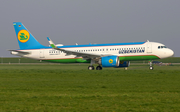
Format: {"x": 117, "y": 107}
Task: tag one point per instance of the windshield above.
{"x": 161, "y": 47}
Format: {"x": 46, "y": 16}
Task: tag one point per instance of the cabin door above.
{"x": 149, "y": 47}
{"x": 41, "y": 54}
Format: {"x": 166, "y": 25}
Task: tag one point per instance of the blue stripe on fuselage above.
{"x": 92, "y": 45}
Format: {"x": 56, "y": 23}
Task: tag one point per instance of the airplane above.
{"x": 105, "y": 55}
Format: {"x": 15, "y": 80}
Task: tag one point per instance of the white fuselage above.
{"x": 146, "y": 49}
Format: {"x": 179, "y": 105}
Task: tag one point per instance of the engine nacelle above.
{"x": 110, "y": 61}
{"x": 124, "y": 64}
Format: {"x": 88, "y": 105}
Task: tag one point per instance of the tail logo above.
{"x": 23, "y": 36}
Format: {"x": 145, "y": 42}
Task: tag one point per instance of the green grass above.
{"x": 63, "y": 88}
{"x": 18, "y": 60}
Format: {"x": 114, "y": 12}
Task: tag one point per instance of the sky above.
{"x": 91, "y": 21}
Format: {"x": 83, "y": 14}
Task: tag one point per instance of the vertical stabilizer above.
{"x": 25, "y": 38}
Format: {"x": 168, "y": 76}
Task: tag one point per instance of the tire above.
{"x": 98, "y": 68}
{"x": 151, "y": 68}
{"x": 91, "y": 68}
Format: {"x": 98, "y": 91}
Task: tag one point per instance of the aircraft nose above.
{"x": 170, "y": 53}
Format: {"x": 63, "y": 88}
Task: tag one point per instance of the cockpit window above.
{"x": 161, "y": 47}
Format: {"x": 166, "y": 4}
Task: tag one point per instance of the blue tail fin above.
{"x": 25, "y": 38}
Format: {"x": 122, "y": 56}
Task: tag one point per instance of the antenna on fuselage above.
{"x": 147, "y": 40}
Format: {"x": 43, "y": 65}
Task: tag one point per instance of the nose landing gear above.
{"x": 151, "y": 67}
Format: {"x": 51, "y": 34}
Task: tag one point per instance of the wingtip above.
{"x": 51, "y": 43}
{"x": 48, "y": 38}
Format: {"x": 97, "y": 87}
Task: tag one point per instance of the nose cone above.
{"x": 170, "y": 53}
{"x": 165, "y": 53}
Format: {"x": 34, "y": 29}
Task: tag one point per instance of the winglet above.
{"x": 51, "y": 43}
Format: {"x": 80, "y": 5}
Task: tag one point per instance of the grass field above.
{"x": 64, "y": 88}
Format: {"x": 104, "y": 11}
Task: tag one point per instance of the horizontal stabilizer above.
{"x": 19, "y": 53}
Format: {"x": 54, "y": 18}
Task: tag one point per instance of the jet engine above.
{"x": 110, "y": 61}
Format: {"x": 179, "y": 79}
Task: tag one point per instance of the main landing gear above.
{"x": 99, "y": 68}
{"x": 91, "y": 67}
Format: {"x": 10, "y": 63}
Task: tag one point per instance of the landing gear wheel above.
{"x": 151, "y": 68}
{"x": 91, "y": 68}
{"x": 98, "y": 68}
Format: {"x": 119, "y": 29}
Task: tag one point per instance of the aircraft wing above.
{"x": 78, "y": 54}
